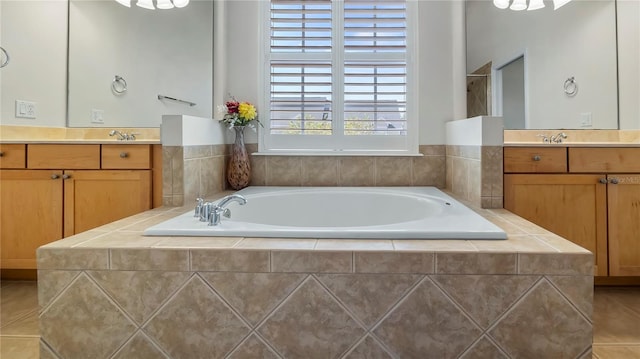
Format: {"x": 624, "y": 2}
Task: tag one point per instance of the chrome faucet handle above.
{"x": 226, "y": 213}
{"x": 207, "y": 209}
{"x": 198, "y": 209}
{"x": 132, "y": 136}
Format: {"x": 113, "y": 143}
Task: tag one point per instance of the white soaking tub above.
{"x": 340, "y": 212}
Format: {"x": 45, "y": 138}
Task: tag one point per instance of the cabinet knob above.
{"x": 615, "y": 181}
{"x": 124, "y": 154}
{"x": 55, "y": 176}
{"x": 603, "y": 180}
{"x": 1, "y": 153}
{"x": 66, "y": 176}
{"x": 536, "y": 158}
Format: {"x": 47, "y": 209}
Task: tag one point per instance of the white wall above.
{"x": 576, "y": 40}
{"x": 166, "y": 52}
{"x": 442, "y": 86}
{"x": 629, "y": 63}
{"x": 513, "y": 95}
{"x": 35, "y": 35}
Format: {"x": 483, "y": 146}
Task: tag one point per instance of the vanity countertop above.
{"x": 572, "y": 144}
{"x": 80, "y": 141}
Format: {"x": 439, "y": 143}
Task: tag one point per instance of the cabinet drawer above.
{"x": 47, "y": 156}
{"x": 126, "y": 157}
{"x": 535, "y": 159}
{"x": 12, "y": 156}
{"x": 600, "y": 159}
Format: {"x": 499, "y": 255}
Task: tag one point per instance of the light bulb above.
{"x": 180, "y": 3}
{"x": 535, "y": 4}
{"x": 518, "y": 5}
{"x": 164, "y": 4}
{"x": 126, "y": 3}
{"x": 147, "y": 4}
{"x": 558, "y": 3}
{"x": 501, "y": 4}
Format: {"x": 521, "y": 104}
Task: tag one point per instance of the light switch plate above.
{"x": 26, "y": 109}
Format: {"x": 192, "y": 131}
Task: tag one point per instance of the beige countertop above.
{"x": 572, "y": 144}
{"x": 80, "y": 142}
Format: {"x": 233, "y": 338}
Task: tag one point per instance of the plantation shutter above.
{"x": 375, "y": 67}
{"x": 301, "y": 67}
{"x": 338, "y": 74}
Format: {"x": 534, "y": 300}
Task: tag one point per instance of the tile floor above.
{"x": 616, "y": 318}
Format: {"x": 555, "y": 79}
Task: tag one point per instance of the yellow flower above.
{"x": 247, "y": 110}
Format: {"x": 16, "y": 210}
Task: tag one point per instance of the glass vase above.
{"x": 239, "y": 167}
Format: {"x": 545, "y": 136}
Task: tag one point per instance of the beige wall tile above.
{"x": 369, "y": 348}
{"x": 149, "y": 259}
{"x": 559, "y": 264}
{"x": 356, "y": 171}
{"x": 253, "y": 295}
{"x": 429, "y": 171}
{"x": 517, "y": 243}
{"x": 393, "y": 171}
{"x": 475, "y": 263}
{"x": 206, "y": 328}
{"x": 484, "y": 348}
{"x": 94, "y": 326}
{"x": 72, "y": 258}
{"x": 449, "y": 173}
{"x": 393, "y": 262}
{"x": 319, "y": 171}
{"x": 50, "y": 284}
{"x": 566, "y": 321}
{"x": 139, "y": 347}
{"x": 140, "y": 293}
{"x": 258, "y": 170}
{"x": 311, "y": 324}
{"x": 460, "y": 177}
{"x": 230, "y": 260}
{"x": 197, "y": 242}
{"x": 474, "y": 183}
{"x": 369, "y": 296}
{"x": 498, "y": 293}
{"x": 192, "y": 152}
{"x": 311, "y": 262}
{"x": 425, "y": 323}
{"x": 191, "y": 179}
{"x": 432, "y": 150}
{"x": 433, "y": 245}
{"x": 212, "y": 175}
{"x": 253, "y": 347}
{"x": 284, "y": 171}
{"x": 578, "y": 289}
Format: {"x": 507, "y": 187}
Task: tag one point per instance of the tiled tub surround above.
{"x": 111, "y": 293}
{"x": 190, "y": 171}
{"x": 474, "y": 173}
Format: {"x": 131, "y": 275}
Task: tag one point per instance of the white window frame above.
{"x": 338, "y": 143}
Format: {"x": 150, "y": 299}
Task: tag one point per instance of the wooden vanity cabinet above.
{"x": 594, "y": 202}
{"x": 64, "y": 189}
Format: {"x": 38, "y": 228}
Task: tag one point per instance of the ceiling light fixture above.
{"x": 160, "y": 4}
{"x": 519, "y": 5}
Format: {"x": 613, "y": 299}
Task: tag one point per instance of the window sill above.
{"x": 338, "y": 153}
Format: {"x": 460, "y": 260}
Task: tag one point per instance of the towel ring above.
{"x": 119, "y": 85}
{"x": 6, "y": 55}
{"x": 571, "y": 87}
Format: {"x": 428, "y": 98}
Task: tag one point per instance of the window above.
{"x": 339, "y": 76}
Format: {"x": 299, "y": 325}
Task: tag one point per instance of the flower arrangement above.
{"x": 236, "y": 114}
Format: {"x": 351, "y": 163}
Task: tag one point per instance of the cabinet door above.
{"x": 95, "y": 198}
{"x": 572, "y": 206}
{"x": 30, "y": 214}
{"x": 624, "y": 225}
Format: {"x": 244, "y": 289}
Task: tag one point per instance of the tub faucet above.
{"x": 219, "y": 209}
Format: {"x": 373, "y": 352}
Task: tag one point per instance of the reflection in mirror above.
{"x": 512, "y": 93}
{"x": 577, "y": 40}
{"x": 121, "y": 59}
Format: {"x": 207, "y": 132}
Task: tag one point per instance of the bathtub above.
{"x": 340, "y": 212}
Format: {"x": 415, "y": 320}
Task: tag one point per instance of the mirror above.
{"x": 575, "y": 41}
{"x": 121, "y": 59}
